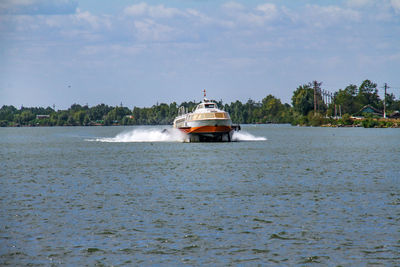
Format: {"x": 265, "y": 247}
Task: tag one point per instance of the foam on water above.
{"x": 171, "y": 135}
{"x": 245, "y": 136}
{"x": 145, "y": 135}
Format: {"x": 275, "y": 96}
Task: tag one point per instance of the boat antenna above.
{"x": 204, "y": 91}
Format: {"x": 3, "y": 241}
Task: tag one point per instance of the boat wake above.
{"x": 169, "y": 135}
{"x": 144, "y": 135}
{"x": 245, "y": 136}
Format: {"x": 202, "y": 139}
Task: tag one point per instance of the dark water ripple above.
{"x": 304, "y": 196}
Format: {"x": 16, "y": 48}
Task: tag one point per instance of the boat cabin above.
{"x": 207, "y": 105}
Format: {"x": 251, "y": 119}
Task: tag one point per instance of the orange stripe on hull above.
{"x": 207, "y": 129}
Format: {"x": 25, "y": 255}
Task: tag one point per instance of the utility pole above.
{"x": 317, "y": 91}
{"x": 316, "y": 87}
{"x": 315, "y": 99}
{"x": 384, "y": 102}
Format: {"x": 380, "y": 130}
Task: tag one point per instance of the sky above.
{"x": 140, "y": 53}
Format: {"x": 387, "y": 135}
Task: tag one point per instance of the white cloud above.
{"x": 159, "y": 11}
{"x": 204, "y": 19}
{"x": 135, "y": 10}
{"x": 81, "y": 35}
{"x": 163, "y": 12}
{"x": 79, "y": 18}
{"x": 115, "y": 49}
{"x": 230, "y": 6}
{"x": 382, "y": 10}
{"x": 195, "y": 13}
{"x": 38, "y": 7}
{"x": 96, "y": 22}
{"x": 149, "y": 30}
{"x": 396, "y": 5}
{"x": 256, "y": 17}
{"x": 14, "y": 3}
{"x": 53, "y": 21}
{"x": 87, "y": 17}
{"x": 323, "y": 16}
{"x": 268, "y": 9}
{"x": 359, "y": 3}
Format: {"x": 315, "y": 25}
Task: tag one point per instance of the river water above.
{"x": 280, "y": 195}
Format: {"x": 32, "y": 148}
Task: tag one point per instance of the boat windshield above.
{"x": 210, "y": 105}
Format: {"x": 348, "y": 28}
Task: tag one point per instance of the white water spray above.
{"x": 142, "y": 135}
{"x": 145, "y": 135}
{"x": 245, "y": 136}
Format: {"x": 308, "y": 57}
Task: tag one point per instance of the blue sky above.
{"x": 143, "y": 52}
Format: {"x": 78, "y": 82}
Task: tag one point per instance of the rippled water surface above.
{"x": 80, "y": 196}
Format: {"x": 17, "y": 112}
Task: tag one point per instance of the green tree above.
{"x": 7, "y": 113}
{"x": 236, "y": 111}
{"x": 117, "y": 114}
{"x": 391, "y": 103}
{"x": 62, "y": 118}
{"x": 368, "y": 94}
{"x": 79, "y": 117}
{"x": 271, "y": 108}
{"x": 303, "y": 99}
{"x": 136, "y": 113}
{"x": 347, "y": 98}
{"x": 71, "y": 121}
{"x": 173, "y": 110}
{"x": 99, "y": 112}
{"x": 86, "y": 120}
{"x": 27, "y": 116}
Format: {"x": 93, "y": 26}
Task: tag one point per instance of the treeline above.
{"x": 76, "y": 115}
{"x": 345, "y": 104}
{"x": 269, "y": 110}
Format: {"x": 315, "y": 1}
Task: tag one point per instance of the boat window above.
{"x": 220, "y": 115}
{"x": 210, "y": 106}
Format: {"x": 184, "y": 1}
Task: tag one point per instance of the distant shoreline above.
{"x": 354, "y": 106}
{"x": 359, "y": 123}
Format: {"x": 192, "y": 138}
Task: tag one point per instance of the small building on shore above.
{"x": 368, "y": 109}
{"x": 42, "y": 116}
